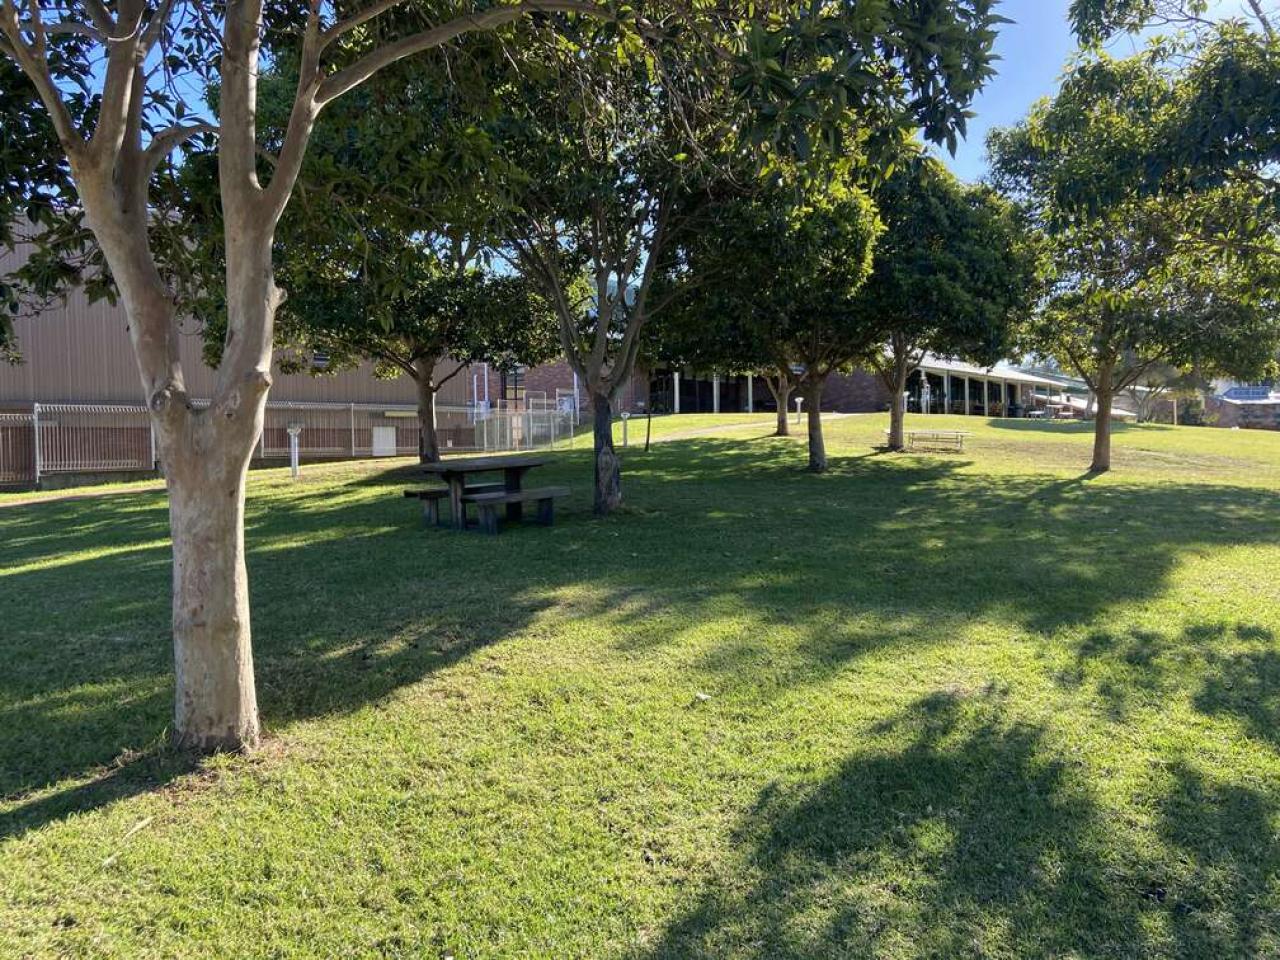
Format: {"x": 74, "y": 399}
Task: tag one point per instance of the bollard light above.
{"x": 625, "y": 417}
{"x": 295, "y": 430}
{"x": 799, "y": 404}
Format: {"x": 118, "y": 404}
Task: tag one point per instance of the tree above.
{"x": 1136, "y": 283}
{"x": 613, "y": 192}
{"x": 1096, "y": 20}
{"x": 954, "y": 273}
{"x": 114, "y": 85}
{"x": 715, "y": 318}
{"x": 1213, "y": 125}
{"x": 776, "y": 273}
{"x": 409, "y": 313}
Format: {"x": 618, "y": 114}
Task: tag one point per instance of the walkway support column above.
{"x": 986, "y": 397}
{"x": 715, "y": 393}
{"x": 966, "y": 396}
{"x": 751, "y": 400}
{"x": 675, "y": 389}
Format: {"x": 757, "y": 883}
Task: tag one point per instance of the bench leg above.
{"x": 488, "y": 518}
{"x": 431, "y": 512}
{"x": 546, "y": 511}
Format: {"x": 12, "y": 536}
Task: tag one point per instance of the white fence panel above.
{"x": 78, "y": 438}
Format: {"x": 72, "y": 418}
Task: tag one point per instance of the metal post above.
{"x": 35, "y": 428}
{"x": 715, "y": 393}
{"x": 799, "y": 404}
{"x": 751, "y": 402}
{"x": 353, "y": 431}
{"x": 294, "y": 430}
{"x": 625, "y": 417}
{"x": 675, "y": 389}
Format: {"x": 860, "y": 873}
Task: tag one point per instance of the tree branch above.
{"x": 352, "y": 76}
{"x": 167, "y": 140}
{"x": 36, "y": 68}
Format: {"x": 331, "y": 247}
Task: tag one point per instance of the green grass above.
{"x": 921, "y": 706}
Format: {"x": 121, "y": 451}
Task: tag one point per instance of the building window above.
{"x": 513, "y": 386}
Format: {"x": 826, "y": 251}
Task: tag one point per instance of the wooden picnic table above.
{"x": 456, "y": 472}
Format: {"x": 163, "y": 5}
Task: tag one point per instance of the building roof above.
{"x": 1002, "y": 370}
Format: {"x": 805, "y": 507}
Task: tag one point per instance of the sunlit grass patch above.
{"x": 926, "y": 705}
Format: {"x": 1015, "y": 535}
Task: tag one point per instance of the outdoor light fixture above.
{"x": 295, "y": 430}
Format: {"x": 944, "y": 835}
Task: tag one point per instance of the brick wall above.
{"x": 1254, "y": 416}
{"x": 857, "y": 392}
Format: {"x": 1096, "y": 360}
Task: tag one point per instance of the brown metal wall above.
{"x": 80, "y": 353}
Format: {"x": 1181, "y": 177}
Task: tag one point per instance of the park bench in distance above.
{"x": 935, "y": 439}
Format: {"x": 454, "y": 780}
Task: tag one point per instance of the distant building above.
{"x": 1252, "y": 406}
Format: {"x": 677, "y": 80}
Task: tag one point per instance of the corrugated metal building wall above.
{"x": 79, "y": 352}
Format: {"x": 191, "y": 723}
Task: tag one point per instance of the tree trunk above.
{"x": 1102, "y": 429}
{"x": 428, "y": 438}
{"x": 781, "y": 397}
{"x": 897, "y": 415}
{"x": 608, "y": 472}
{"x": 206, "y": 457}
{"x": 216, "y": 706}
{"x": 817, "y": 447}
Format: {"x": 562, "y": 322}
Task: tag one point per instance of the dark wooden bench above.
{"x": 432, "y": 496}
{"x": 488, "y": 503}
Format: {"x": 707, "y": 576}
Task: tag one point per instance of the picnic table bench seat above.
{"x": 488, "y": 502}
{"x": 431, "y": 497}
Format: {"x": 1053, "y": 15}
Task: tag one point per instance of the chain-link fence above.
{"x": 79, "y": 438}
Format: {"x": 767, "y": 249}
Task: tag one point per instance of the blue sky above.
{"x": 1033, "y": 50}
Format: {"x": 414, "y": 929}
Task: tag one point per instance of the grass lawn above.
{"x": 922, "y": 706}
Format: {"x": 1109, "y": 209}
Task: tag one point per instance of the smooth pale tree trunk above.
{"x": 608, "y": 469}
{"x": 206, "y": 458}
{"x": 780, "y": 387}
{"x": 205, "y": 454}
{"x": 215, "y": 704}
{"x": 817, "y": 446}
{"x": 428, "y": 437}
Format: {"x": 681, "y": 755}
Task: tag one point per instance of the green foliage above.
{"x": 469, "y": 315}
{"x": 770, "y": 279}
{"x": 955, "y": 270}
{"x": 1152, "y": 262}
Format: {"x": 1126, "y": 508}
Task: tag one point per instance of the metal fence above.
{"x": 77, "y": 438}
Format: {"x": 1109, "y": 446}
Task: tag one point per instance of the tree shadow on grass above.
{"x": 955, "y": 833}
{"x": 352, "y": 599}
{"x": 1221, "y": 894}
{"x": 1226, "y": 670}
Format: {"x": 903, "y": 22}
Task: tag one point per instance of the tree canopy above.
{"x": 773, "y": 276}
{"x": 955, "y": 273}
{"x": 1184, "y": 276}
